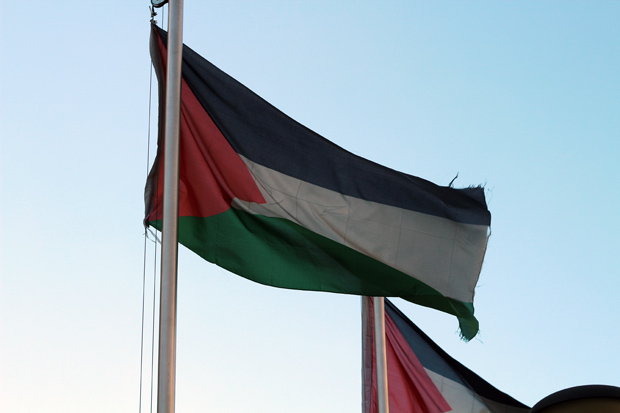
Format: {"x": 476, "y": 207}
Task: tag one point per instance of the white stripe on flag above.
{"x": 443, "y": 254}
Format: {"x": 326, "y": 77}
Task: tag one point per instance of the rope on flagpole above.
{"x": 156, "y": 243}
{"x": 148, "y": 161}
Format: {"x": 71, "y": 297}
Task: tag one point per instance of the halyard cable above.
{"x": 148, "y": 160}
{"x": 153, "y": 330}
{"x": 156, "y": 241}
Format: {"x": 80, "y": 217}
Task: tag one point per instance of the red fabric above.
{"x": 410, "y": 389}
{"x": 211, "y": 173}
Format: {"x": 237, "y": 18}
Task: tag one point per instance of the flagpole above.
{"x": 168, "y": 291}
{"x": 378, "y": 312}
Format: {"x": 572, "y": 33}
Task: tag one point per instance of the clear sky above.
{"x": 521, "y": 96}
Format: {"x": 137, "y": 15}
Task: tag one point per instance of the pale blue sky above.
{"x": 521, "y": 96}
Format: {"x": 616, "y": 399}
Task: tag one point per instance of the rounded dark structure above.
{"x": 596, "y": 398}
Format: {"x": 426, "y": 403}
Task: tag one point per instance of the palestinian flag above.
{"x": 421, "y": 376}
{"x": 267, "y": 198}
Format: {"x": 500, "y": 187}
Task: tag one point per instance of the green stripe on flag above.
{"x": 279, "y": 253}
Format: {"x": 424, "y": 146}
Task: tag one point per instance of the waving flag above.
{"x": 267, "y": 198}
{"x": 421, "y": 376}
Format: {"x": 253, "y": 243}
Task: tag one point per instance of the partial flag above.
{"x": 421, "y": 376}
{"x": 267, "y": 198}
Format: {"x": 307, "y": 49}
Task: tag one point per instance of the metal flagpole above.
{"x": 378, "y": 312}
{"x": 168, "y": 297}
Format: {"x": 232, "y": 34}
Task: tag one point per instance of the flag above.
{"x": 421, "y": 376}
{"x": 268, "y": 199}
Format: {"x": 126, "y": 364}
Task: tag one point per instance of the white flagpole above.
{"x": 168, "y": 295}
{"x": 378, "y": 312}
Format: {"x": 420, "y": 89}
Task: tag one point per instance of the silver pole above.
{"x": 381, "y": 358}
{"x": 168, "y": 297}
{"x": 366, "y": 354}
